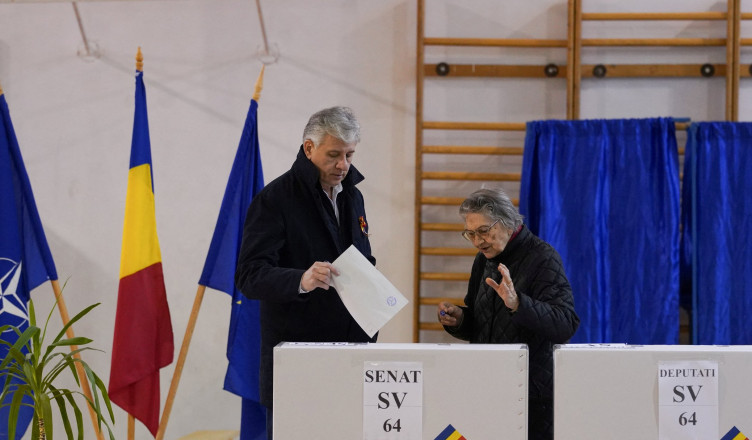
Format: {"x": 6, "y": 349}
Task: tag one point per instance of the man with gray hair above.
{"x": 294, "y": 228}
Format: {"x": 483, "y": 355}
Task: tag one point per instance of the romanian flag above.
{"x": 143, "y": 341}
{"x": 449, "y": 433}
{"x": 734, "y": 434}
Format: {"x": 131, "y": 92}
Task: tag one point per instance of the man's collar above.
{"x": 310, "y": 172}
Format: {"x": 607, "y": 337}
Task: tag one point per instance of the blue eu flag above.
{"x": 25, "y": 258}
{"x": 244, "y": 338}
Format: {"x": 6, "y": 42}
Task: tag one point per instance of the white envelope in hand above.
{"x": 369, "y": 297}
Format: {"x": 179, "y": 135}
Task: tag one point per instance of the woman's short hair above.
{"x": 493, "y": 203}
{"x": 338, "y": 122}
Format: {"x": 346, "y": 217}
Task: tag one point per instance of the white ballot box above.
{"x": 652, "y": 392}
{"x": 400, "y": 391}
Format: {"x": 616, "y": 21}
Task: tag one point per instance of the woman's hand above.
{"x": 505, "y": 290}
{"x": 449, "y": 314}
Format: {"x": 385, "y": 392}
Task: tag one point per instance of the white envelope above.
{"x": 369, "y": 297}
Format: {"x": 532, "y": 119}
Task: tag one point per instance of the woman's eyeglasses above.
{"x": 479, "y": 232}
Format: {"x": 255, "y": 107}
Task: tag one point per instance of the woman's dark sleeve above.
{"x": 547, "y": 307}
{"x": 466, "y": 328}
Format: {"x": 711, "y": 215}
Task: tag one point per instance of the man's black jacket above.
{"x": 290, "y": 225}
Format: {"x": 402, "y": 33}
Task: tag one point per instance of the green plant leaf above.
{"x": 98, "y": 384}
{"x": 66, "y": 361}
{"x": 36, "y": 341}
{"x": 8, "y": 328}
{"x": 78, "y": 316}
{"x": 37, "y": 371}
{"x": 92, "y": 380}
{"x": 59, "y": 336}
{"x": 13, "y": 372}
{"x": 58, "y": 396}
{"x": 15, "y": 407}
{"x": 32, "y": 313}
{"x": 35, "y": 427}
{"x": 100, "y": 418}
{"x": 6, "y": 386}
{"x": 58, "y": 297}
{"x": 103, "y": 392}
{"x": 71, "y": 363}
{"x": 46, "y": 414}
{"x": 29, "y": 376}
{"x": 77, "y": 412}
{"x": 78, "y": 340}
{"x": 15, "y": 351}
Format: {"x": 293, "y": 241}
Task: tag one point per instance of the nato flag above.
{"x": 25, "y": 258}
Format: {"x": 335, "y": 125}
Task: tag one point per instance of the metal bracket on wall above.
{"x": 266, "y": 54}
{"x": 90, "y": 50}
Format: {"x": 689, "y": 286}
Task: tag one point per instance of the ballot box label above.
{"x": 392, "y": 400}
{"x": 688, "y": 400}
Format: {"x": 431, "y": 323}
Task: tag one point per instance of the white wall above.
{"x": 73, "y": 117}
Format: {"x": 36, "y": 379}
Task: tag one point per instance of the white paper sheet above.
{"x": 369, "y": 297}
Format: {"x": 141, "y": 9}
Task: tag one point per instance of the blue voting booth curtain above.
{"x": 717, "y": 232}
{"x": 605, "y": 195}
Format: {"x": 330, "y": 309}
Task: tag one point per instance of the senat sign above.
{"x": 392, "y": 400}
{"x": 688, "y": 400}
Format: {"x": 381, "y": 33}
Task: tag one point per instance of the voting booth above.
{"x": 652, "y": 392}
{"x": 400, "y": 391}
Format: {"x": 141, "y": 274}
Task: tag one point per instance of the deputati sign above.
{"x": 688, "y": 400}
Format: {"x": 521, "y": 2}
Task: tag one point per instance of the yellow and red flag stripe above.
{"x": 734, "y": 434}
{"x": 449, "y": 433}
{"x": 143, "y": 339}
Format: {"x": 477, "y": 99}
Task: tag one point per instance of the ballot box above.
{"x": 652, "y": 392}
{"x": 400, "y": 391}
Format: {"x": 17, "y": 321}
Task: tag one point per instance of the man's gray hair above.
{"x": 494, "y": 203}
{"x": 338, "y": 122}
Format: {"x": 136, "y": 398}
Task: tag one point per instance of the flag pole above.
{"x": 259, "y": 85}
{"x": 132, "y": 420}
{"x": 131, "y": 427}
{"x": 181, "y": 361}
{"x": 79, "y": 368}
{"x": 192, "y": 322}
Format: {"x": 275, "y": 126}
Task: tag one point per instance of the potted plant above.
{"x": 31, "y": 369}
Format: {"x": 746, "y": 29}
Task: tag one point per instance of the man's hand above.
{"x": 319, "y": 275}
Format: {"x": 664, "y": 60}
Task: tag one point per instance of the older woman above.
{"x": 518, "y": 293}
